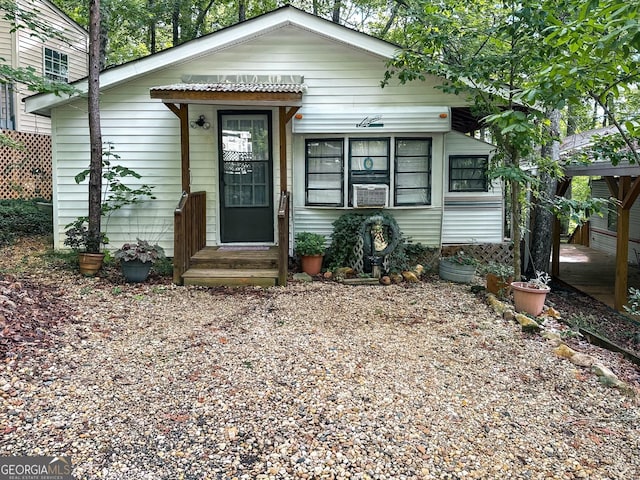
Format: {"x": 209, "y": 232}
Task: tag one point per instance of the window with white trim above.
{"x": 412, "y": 171}
{"x": 468, "y": 173}
{"x": 56, "y": 65}
{"x": 368, "y": 162}
{"x": 324, "y": 166}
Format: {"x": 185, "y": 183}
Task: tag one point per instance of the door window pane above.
{"x": 245, "y": 150}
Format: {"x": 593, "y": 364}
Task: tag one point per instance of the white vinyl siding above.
{"x": 603, "y": 239}
{"x": 471, "y": 217}
{"x": 30, "y": 53}
{"x": 146, "y": 135}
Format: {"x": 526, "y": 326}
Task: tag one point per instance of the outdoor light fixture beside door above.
{"x": 200, "y": 122}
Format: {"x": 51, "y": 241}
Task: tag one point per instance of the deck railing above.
{"x": 190, "y": 231}
{"x": 283, "y": 238}
{"x": 581, "y": 234}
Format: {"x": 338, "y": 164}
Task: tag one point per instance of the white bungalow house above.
{"x": 270, "y": 127}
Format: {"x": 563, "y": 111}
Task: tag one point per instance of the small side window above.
{"x": 468, "y": 173}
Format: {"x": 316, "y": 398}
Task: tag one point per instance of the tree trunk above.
{"x": 152, "y": 27}
{"x": 515, "y": 228}
{"x": 95, "y": 135}
{"x": 335, "y": 15}
{"x": 175, "y": 22}
{"x": 542, "y": 217}
{"x": 242, "y": 11}
{"x": 104, "y": 35}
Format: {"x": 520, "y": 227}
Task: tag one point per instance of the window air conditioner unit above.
{"x": 370, "y": 195}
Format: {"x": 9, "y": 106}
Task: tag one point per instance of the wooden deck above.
{"x": 593, "y": 272}
{"x": 214, "y": 266}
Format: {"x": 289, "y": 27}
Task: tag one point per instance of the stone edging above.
{"x": 604, "y": 374}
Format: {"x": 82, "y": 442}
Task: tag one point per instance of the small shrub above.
{"x": 22, "y": 218}
{"x": 164, "y": 267}
{"x": 346, "y": 230}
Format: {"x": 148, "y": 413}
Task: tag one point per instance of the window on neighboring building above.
{"x": 7, "y": 109}
{"x": 468, "y": 173}
{"x": 324, "y": 164}
{"x": 56, "y": 65}
{"x": 413, "y": 171}
{"x": 368, "y": 162}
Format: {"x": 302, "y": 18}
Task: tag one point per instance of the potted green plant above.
{"x": 498, "y": 278}
{"x": 459, "y": 267}
{"x": 310, "y": 247}
{"x": 136, "y": 259}
{"x": 86, "y": 246}
{"x": 529, "y": 296}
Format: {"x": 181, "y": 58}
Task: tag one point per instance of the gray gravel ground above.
{"x": 313, "y": 380}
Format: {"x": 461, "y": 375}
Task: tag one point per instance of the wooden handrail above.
{"x": 283, "y": 237}
{"x": 190, "y": 231}
{"x": 581, "y": 234}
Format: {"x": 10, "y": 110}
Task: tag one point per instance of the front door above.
{"x": 246, "y": 176}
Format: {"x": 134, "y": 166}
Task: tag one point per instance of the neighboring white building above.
{"x": 603, "y": 227}
{"x": 306, "y": 93}
{"x": 50, "y": 57}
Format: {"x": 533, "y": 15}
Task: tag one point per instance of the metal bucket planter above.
{"x": 456, "y": 272}
{"x": 135, "y": 271}
{"x": 528, "y": 298}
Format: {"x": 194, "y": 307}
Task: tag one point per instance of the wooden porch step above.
{"x": 233, "y": 277}
{"x": 220, "y": 258}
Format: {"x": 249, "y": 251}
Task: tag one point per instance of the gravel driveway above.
{"x": 313, "y": 380}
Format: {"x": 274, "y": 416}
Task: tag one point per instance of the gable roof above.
{"x": 217, "y": 41}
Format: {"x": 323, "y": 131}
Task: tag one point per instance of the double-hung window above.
{"x": 468, "y": 173}
{"x": 413, "y": 171}
{"x": 324, "y": 166}
{"x": 56, "y": 65}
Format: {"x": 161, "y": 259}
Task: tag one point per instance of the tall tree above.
{"x": 594, "y": 56}
{"x": 95, "y": 134}
{"x": 487, "y": 50}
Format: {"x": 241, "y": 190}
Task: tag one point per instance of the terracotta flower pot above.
{"x": 311, "y": 264}
{"x": 528, "y": 298}
{"x": 498, "y": 285}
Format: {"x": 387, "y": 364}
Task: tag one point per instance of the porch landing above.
{"x": 215, "y": 266}
{"x": 593, "y": 272}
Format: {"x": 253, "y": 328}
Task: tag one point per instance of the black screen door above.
{"x": 246, "y": 177}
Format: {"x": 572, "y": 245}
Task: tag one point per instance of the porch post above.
{"x": 182, "y": 112}
{"x": 561, "y": 190}
{"x": 627, "y": 195}
{"x": 284, "y": 117}
{"x": 622, "y": 246}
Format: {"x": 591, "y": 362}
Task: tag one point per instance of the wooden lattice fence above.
{"x": 485, "y": 252}
{"x": 25, "y": 172}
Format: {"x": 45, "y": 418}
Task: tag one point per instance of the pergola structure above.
{"x": 623, "y": 182}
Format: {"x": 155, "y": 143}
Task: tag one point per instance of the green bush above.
{"x": 22, "y": 218}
